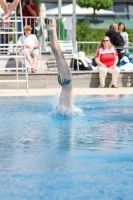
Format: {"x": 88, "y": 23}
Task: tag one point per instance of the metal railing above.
{"x": 88, "y": 47}
{"x": 40, "y": 29}
{"x": 8, "y": 40}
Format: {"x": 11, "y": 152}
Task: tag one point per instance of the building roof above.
{"x": 70, "y": 1}
{"x": 68, "y": 10}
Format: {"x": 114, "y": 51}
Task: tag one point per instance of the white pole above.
{"x": 74, "y": 27}
{"x": 43, "y": 36}
{"x": 59, "y": 16}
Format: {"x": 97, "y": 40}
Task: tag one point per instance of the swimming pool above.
{"x": 49, "y": 156}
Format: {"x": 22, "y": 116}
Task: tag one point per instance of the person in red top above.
{"x": 29, "y": 9}
{"x": 107, "y": 59}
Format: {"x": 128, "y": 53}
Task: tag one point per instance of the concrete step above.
{"x": 48, "y": 79}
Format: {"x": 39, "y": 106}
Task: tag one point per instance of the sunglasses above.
{"x": 105, "y": 40}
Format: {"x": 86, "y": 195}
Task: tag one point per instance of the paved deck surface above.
{"x": 77, "y": 91}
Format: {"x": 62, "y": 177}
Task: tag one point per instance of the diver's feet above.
{"x": 52, "y": 25}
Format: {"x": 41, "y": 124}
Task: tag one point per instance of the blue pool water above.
{"x": 48, "y": 156}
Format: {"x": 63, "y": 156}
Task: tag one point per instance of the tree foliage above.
{"x": 95, "y": 4}
{"x": 37, "y": 2}
{"x": 86, "y": 34}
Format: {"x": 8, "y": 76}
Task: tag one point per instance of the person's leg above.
{"x": 63, "y": 68}
{"x": 35, "y": 58}
{"x": 66, "y": 96}
{"x": 102, "y": 75}
{"x": 4, "y": 6}
{"x": 12, "y": 7}
{"x": 28, "y": 57}
{"x": 115, "y": 73}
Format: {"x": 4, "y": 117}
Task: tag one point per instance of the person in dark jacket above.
{"x": 112, "y": 32}
{"x": 114, "y": 36}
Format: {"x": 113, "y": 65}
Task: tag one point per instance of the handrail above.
{"x": 5, "y": 34}
{"x": 126, "y": 47}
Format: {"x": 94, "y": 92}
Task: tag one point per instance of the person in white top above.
{"x": 124, "y": 34}
{"x": 31, "y": 46}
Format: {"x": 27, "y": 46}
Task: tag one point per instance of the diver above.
{"x": 64, "y": 77}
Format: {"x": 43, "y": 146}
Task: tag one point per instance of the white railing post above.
{"x": 59, "y": 16}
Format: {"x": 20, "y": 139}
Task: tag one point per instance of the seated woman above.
{"x": 64, "y": 76}
{"x": 31, "y": 46}
{"x": 107, "y": 59}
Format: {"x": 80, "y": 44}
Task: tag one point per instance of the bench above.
{"x": 67, "y": 50}
{"x": 66, "y": 46}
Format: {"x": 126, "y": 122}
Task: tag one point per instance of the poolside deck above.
{"x": 77, "y": 91}
{"x": 48, "y": 79}
{"x": 44, "y": 79}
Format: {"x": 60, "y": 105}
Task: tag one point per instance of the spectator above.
{"x": 107, "y": 59}
{"x": 29, "y": 9}
{"x": 31, "y": 46}
{"x": 116, "y": 38}
{"x": 124, "y": 34}
{"x": 112, "y": 32}
{"x": 7, "y": 11}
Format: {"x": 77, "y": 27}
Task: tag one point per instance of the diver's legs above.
{"x": 66, "y": 96}
{"x": 62, "y": 65}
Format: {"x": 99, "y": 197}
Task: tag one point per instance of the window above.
{"x": 53, "y": 5}
{"x": 120, "y": 8}
{"x": 130, "y": 9}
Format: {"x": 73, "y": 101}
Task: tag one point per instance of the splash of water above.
{"x": 62, "y": 110}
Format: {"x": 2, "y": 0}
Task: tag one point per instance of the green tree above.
{"x": 95, "y": 4}
{"x": 85, "y": 33}
{"x": 37, "y": 2}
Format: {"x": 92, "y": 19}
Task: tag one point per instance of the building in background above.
{"x": 123, "y": 9}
